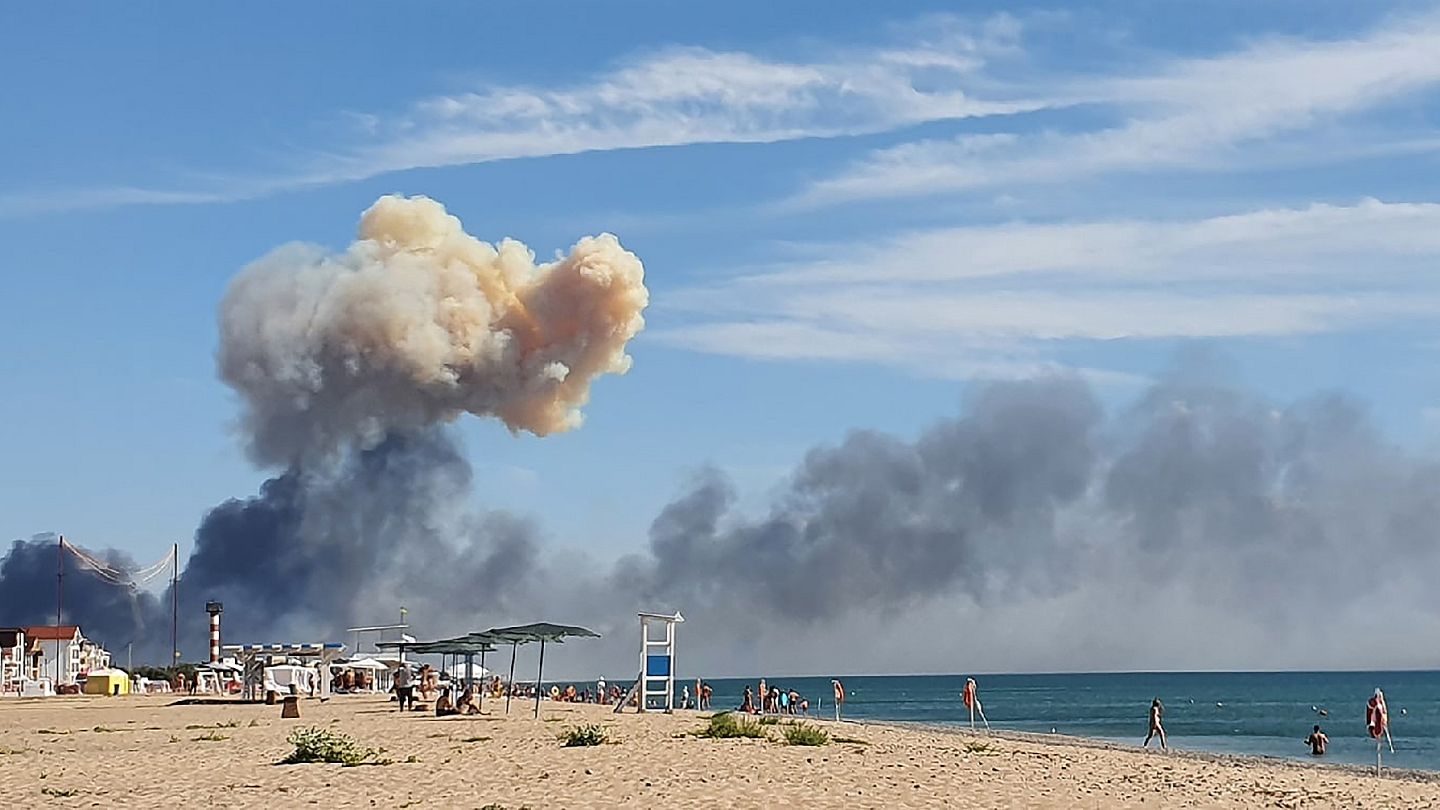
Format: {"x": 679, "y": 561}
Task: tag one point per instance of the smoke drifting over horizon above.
{"x": 1198, "y": 508}
{"x": 1199, "y": 527}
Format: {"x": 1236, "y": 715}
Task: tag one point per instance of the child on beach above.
{"x": 1157, "y": 712}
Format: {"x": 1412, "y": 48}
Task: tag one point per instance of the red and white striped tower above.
{"x": 214, "y": 609}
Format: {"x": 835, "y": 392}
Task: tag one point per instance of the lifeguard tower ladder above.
{"x": 657, "y": 663}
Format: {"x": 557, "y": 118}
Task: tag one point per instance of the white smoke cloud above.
{"x": 416, "y": 323}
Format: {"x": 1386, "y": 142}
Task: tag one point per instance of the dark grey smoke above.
{"x": 114, "y": 615}
{"x": 321, "y": 550}
{"x": 1198, "y": 500}
{"x": 881, "y": 523}
{"x": 1201, "y": 526}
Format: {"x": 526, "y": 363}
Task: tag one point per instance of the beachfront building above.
{"x": 12, "y": 658}
{"x": 78, "y": 655}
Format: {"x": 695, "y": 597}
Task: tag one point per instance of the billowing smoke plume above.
{"x": 417, "y": 323}
{"x": 1200, "y": 527}
{"x": 114, "y": 614}
{"x": 349, "y": 366}
{"x": 1299, "y": 531}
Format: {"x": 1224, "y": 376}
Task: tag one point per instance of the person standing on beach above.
{"x": 1318, "y": 742}
{"x": 839, "y": 697}
{"x": 404, "y": 687}
{"x": 764, "y": 695}
{"x": 1157, "y": 713}
{"x": 748, "y": 704}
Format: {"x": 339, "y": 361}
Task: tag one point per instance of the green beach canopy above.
{"x": 467, "y": 646}
{"x": 526, "y": 633}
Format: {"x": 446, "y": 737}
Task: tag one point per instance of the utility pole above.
{"x": 175, "y": 605}
{"x": 59, "y": 591}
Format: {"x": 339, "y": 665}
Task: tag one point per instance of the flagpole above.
{"x": 175, "y": 605}
{"x": 59, "y": 590}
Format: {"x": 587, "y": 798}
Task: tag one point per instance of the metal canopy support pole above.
{"x": 510, "y": 687}
{"x": 481, "y": 690}
{"x": 539, "y": 676}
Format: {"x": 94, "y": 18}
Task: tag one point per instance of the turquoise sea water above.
{"x": 1263, "y": 713}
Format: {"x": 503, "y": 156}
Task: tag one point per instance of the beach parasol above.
{"x": 1377, "y": 722}
{"x": 526, "y": 633}
{"x": 971, "y": 698}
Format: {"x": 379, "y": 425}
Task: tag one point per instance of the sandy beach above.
{"x": 145, "y": 752}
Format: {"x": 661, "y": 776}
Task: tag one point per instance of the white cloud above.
{"x": 978, "y": 301}
{"x": 1186, "y": 114}
{"x": 1320, "y": 242}
{"x": 672, "y": 97}
{"x": 688, "y": 96}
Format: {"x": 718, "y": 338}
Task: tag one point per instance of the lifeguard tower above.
{"x": 657, "y": 661}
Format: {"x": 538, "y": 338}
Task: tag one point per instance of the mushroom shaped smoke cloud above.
{"x": 416, "y": 323}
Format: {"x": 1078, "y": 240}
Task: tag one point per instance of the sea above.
{"x": 1252, "y": 713}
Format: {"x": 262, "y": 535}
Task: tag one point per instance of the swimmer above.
{"x": 1318, "y": 742}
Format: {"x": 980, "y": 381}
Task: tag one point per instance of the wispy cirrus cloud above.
{"x": 977, "y": 300}
{"x": 675, "y": 96}
{"x": 1189, "y": 113}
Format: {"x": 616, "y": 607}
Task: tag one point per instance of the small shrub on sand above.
{"x": 323, "y": 745}
{"x": 728, "y": 726}
{"x": 977, "y": 748}
{"x": 769, "y": 721}
{"x": 579, "y": 736}
{"x": 801, "y": 734}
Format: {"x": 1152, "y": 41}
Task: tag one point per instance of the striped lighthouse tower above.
{"x": 214, "y": 609}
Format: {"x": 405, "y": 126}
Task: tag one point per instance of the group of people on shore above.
{"x": 772, "y": 699}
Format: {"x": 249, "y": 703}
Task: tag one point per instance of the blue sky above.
{"x": 848, "y": 213}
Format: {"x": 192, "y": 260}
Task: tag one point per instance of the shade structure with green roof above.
{"x": 467, "y": 646}
{"x": 525, "y": 634}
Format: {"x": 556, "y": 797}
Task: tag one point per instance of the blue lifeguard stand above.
{"x": 657, "y": 660}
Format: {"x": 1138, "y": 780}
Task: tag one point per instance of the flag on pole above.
{"x": 971, "y": 699}
{"x": 1377, "y": 718}
{"x": 1377, "y": 723}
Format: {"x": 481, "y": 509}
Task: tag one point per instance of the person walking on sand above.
{"x": 839, "y": 696}
{"x": 404, "y": 687}
{"x": 1157, "y": 714}
{"x": 1318, "y": 742}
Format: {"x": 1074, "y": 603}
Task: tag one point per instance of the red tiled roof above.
{"x": 64, "y": 632}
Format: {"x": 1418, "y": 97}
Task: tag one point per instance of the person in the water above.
{"x": 1318, "y": 742}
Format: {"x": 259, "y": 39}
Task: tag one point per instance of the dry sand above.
{"x": 144, "y": 752}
